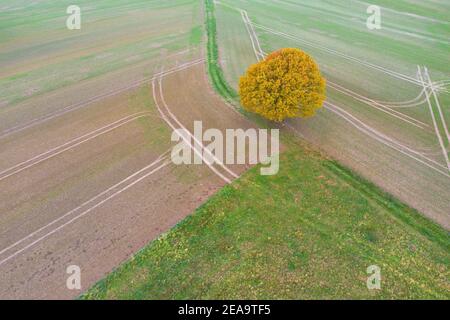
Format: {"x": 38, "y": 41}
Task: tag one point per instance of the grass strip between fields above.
{"x": 214, "y": 70}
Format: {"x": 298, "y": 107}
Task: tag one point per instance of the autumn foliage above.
{"x": 286, "y": 84}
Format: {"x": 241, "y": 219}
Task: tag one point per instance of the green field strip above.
{"x": 214, "y": 70}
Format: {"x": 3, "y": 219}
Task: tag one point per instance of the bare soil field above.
{"x": 190, "y": 104}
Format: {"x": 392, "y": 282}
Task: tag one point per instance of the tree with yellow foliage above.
{"x": 287, "y": 84}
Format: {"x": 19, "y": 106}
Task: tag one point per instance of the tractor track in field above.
{"x": 96, "y": 216}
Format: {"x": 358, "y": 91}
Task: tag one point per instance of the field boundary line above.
{"x": 157, "y": 161}
{"x": 80, "y": 105}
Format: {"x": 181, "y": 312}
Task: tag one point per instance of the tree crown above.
{"x": 286, "y": 84}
